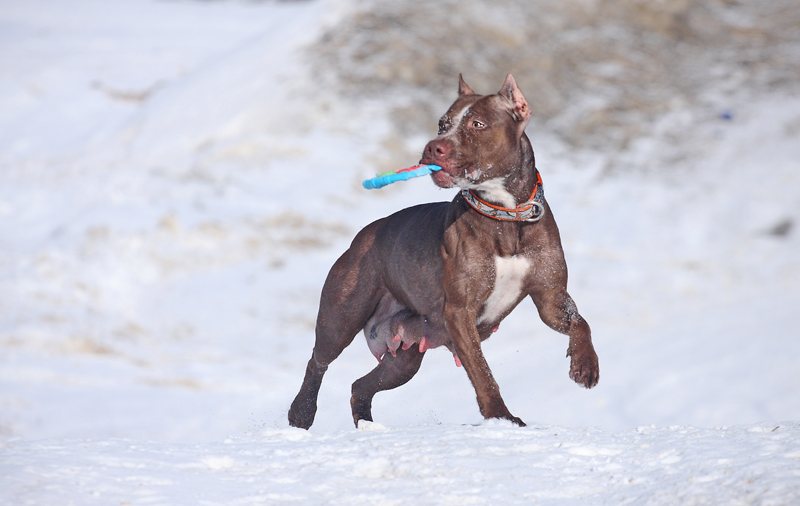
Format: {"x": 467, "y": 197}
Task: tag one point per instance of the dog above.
{"x": 447, "y": 273}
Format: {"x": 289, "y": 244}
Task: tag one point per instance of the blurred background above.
{"x": 177, "y": 177}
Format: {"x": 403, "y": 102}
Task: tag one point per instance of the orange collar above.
{"x": 532, "y": 210}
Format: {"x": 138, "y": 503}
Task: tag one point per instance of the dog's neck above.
{"x": 515, "y": 188}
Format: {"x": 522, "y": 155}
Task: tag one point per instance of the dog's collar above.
{"x": 532, "y": 210}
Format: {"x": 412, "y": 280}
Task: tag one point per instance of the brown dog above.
{"x": 448, "y": 273}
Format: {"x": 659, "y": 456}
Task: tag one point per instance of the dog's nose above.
{"x": 437, "y": 150}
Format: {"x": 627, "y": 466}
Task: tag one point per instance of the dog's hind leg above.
{"x": 392, "y": 372}
{"x": 349, "y": 298}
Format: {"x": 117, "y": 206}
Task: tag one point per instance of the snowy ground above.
{"x": 492, "y": 463}
{"x": 172, "y": 196}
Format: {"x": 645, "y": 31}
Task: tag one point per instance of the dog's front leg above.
{"x": 461, "y": 325}
{"x": 465, "y": 265}
{"x": 559, "y": 312}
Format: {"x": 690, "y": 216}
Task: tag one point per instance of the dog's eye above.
{"x": 442, "y": 126}
{"x": 478, "y": 124}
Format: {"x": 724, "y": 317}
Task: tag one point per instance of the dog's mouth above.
{"x": 446, "y": 178}
{"x": 443, "y": 180}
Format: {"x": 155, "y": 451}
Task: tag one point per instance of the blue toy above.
{"x": 399, "y": 175}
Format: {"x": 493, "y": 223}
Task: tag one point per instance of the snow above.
{"x": 489, "y": 463}
{"x": 173, "y": 190}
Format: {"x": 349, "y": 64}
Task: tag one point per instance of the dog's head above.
{"x": 480, "y": 137}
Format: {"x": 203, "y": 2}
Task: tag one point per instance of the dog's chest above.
{"x": 510, "y": 274}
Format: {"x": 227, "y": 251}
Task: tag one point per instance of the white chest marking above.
{"x": 510, "y": 272}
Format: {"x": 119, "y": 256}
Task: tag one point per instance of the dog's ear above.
{"x": 520, "y": 108}
{"x": 463, "y": 87}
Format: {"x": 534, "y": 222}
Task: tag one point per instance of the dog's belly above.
{"x": 510, "y": 274}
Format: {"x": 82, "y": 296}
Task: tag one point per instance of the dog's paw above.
{"x": 302, "y": 415}
{"x": 362, "y": 410}
{"x": 496, "y": 409}
{"x": 584, "y": 368}
{"x": 505, "y": 419}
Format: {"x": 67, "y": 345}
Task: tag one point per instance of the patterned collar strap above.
{"x": 530, "y": 211}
